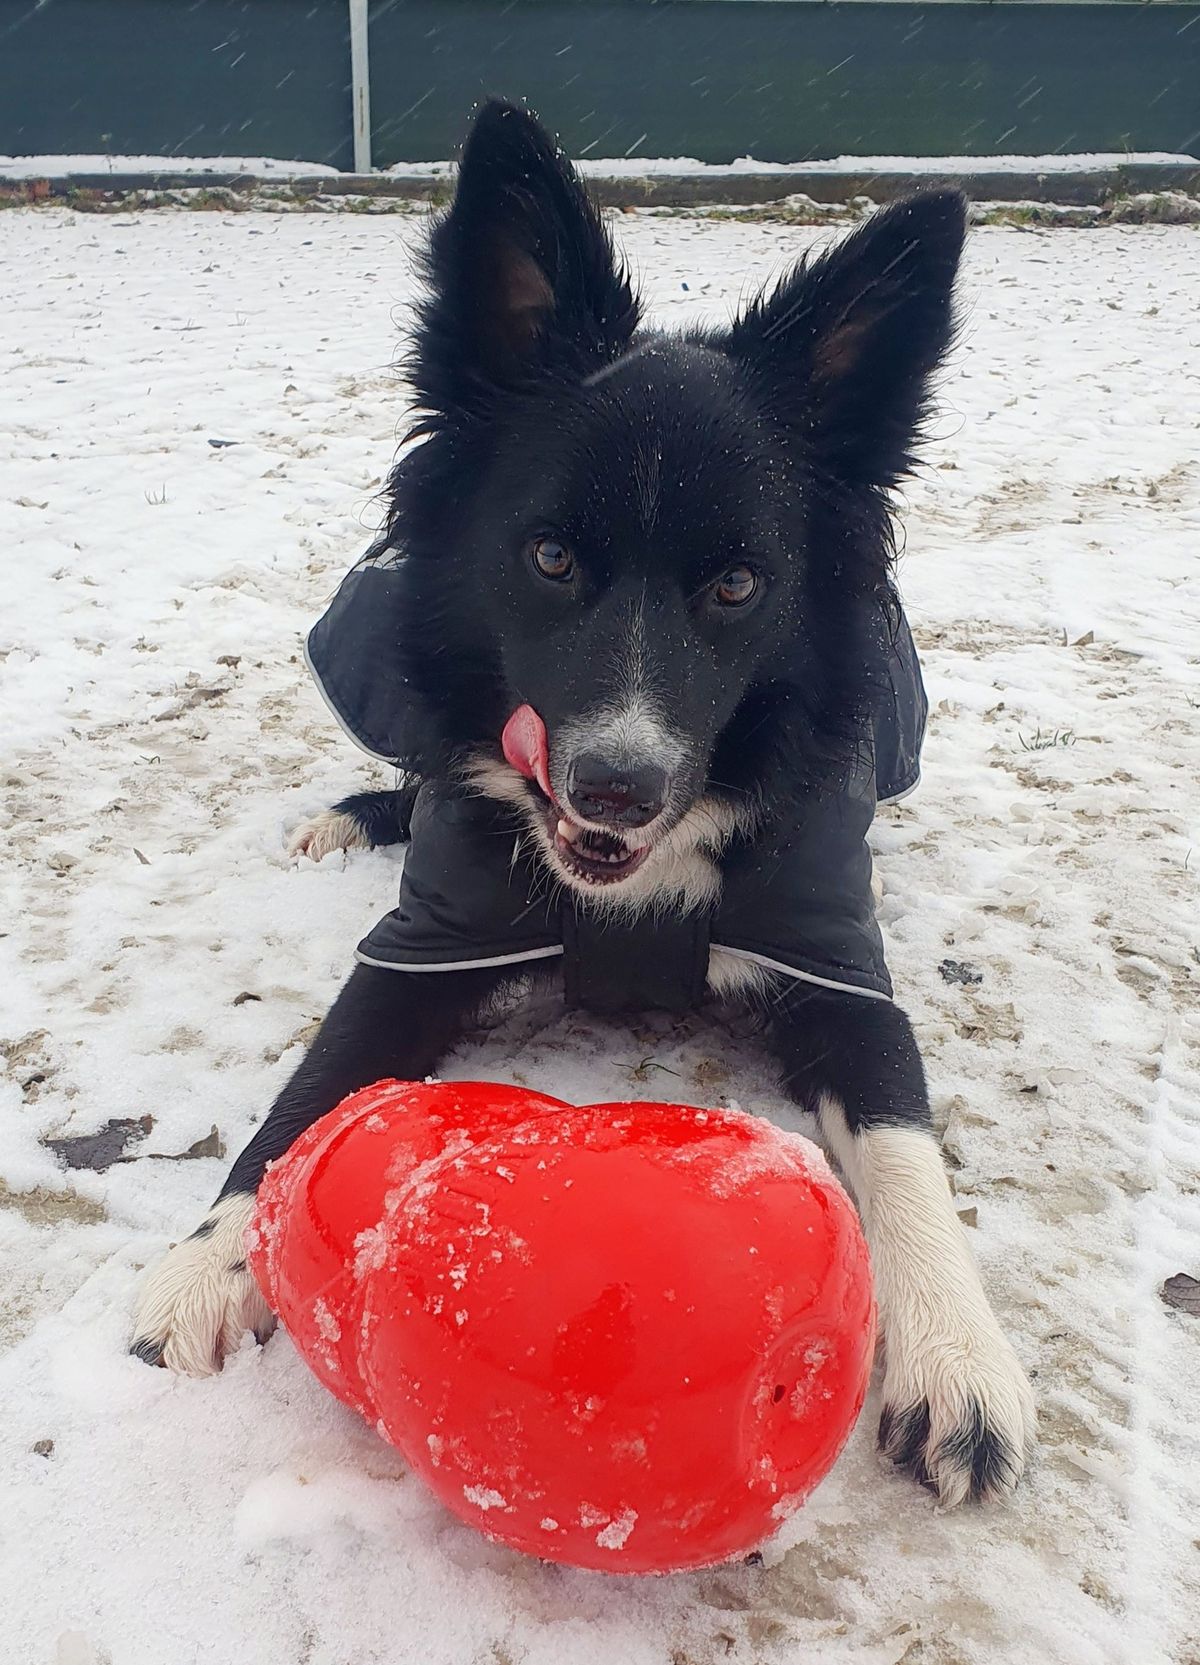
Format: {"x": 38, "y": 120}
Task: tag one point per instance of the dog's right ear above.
{"x": 845, "y": 347}
{"x": 521, "y": 270}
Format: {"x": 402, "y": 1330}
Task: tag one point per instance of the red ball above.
{"x": 326, "y": 1203}
{"x": 623, "y": 1336}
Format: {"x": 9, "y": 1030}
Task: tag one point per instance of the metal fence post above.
{"x": 360, "y": 85}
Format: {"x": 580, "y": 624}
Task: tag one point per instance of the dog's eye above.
{"x": 739, "y": 585}
{"x": 551, "y": 559}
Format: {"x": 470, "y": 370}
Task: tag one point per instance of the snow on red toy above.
{"x": 623, "y": 1336}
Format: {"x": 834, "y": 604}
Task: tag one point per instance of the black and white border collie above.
{"x": 673, "y": 549}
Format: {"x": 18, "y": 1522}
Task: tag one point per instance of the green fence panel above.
{"x": 779, "y": 80}
{"x": 176, "y": 78}
{"x": 787, "y": 80}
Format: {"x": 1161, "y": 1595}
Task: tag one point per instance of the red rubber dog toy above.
{"x": 623, "y": 1336}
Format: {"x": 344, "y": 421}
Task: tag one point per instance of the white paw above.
{"x": 958, "y": 1410}
{"x": 200, "y": 1300}
{"x": 322, "y": 834}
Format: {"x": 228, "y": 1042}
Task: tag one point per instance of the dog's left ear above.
{"x": 521, "y": 270}
{"x": 844, "y": 348}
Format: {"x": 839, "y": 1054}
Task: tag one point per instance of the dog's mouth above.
{"x": 594, "y": 855}
{"x": 597, "y": 857}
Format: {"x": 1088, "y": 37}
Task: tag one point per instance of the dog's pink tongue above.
{"x": 524, "y": 744}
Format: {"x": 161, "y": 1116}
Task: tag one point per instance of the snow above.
{"x": 616, "y": 1534}
{"x": 161, "y": 736}
{"x": 615, "y": 167}
{"x": 54, "y": 167}
{"x": 1080, "y": 162}
{"x": 484, "y": 1498}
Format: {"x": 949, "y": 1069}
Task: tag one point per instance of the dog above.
{"x": 640, "y": 587}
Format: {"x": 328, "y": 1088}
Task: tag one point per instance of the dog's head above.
{"x": 646, "y": 568}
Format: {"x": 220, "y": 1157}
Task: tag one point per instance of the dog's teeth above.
{"x": 596, "y": 848}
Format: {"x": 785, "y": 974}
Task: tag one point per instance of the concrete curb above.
{"x": 688, "y": 190}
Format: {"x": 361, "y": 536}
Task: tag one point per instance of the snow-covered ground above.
{"x": 619, "y": 167}
{"x": 162, "y": 958}
{"x": 265, "y": 167}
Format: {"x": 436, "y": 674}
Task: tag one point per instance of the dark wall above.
{"x": 781, "y": 80}
{"x": 784, "y": 82}
{"x": 176, "y": 78}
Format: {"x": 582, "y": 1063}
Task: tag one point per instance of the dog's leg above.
{"x": 197, "y": 1303}
{"x": 957, "y": 1409}
{"x": 363, "y": 821}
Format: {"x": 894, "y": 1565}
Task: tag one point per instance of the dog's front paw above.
{"x": 200, "y": 1299}
{"x": 332, "y": 830}
{"x": 958, "y": 1414}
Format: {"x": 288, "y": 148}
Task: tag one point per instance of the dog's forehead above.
{"x": 663, "y": 366}
{"x": 667, "y": 431}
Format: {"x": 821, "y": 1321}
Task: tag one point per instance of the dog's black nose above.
{"x": 600, "y": 790}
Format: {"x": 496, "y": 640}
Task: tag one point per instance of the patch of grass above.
{"x": 1159, "y": 208}
{"x": 1139, "y": 208}
{"x": 794, "y": 210}
{"x": 86, "y": 200}
{"x": 288, "y": 196}
{"x": 1027, "y": 215}
{"x": 1039, "y": 742}
{"x": 1155, "y": 208}
{"x": 20, "y": 195}
{"x": 641, "y": 1072}
{"x": 211, "y": 199}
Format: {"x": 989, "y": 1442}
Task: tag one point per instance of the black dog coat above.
{"x": 795, "y": 899}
